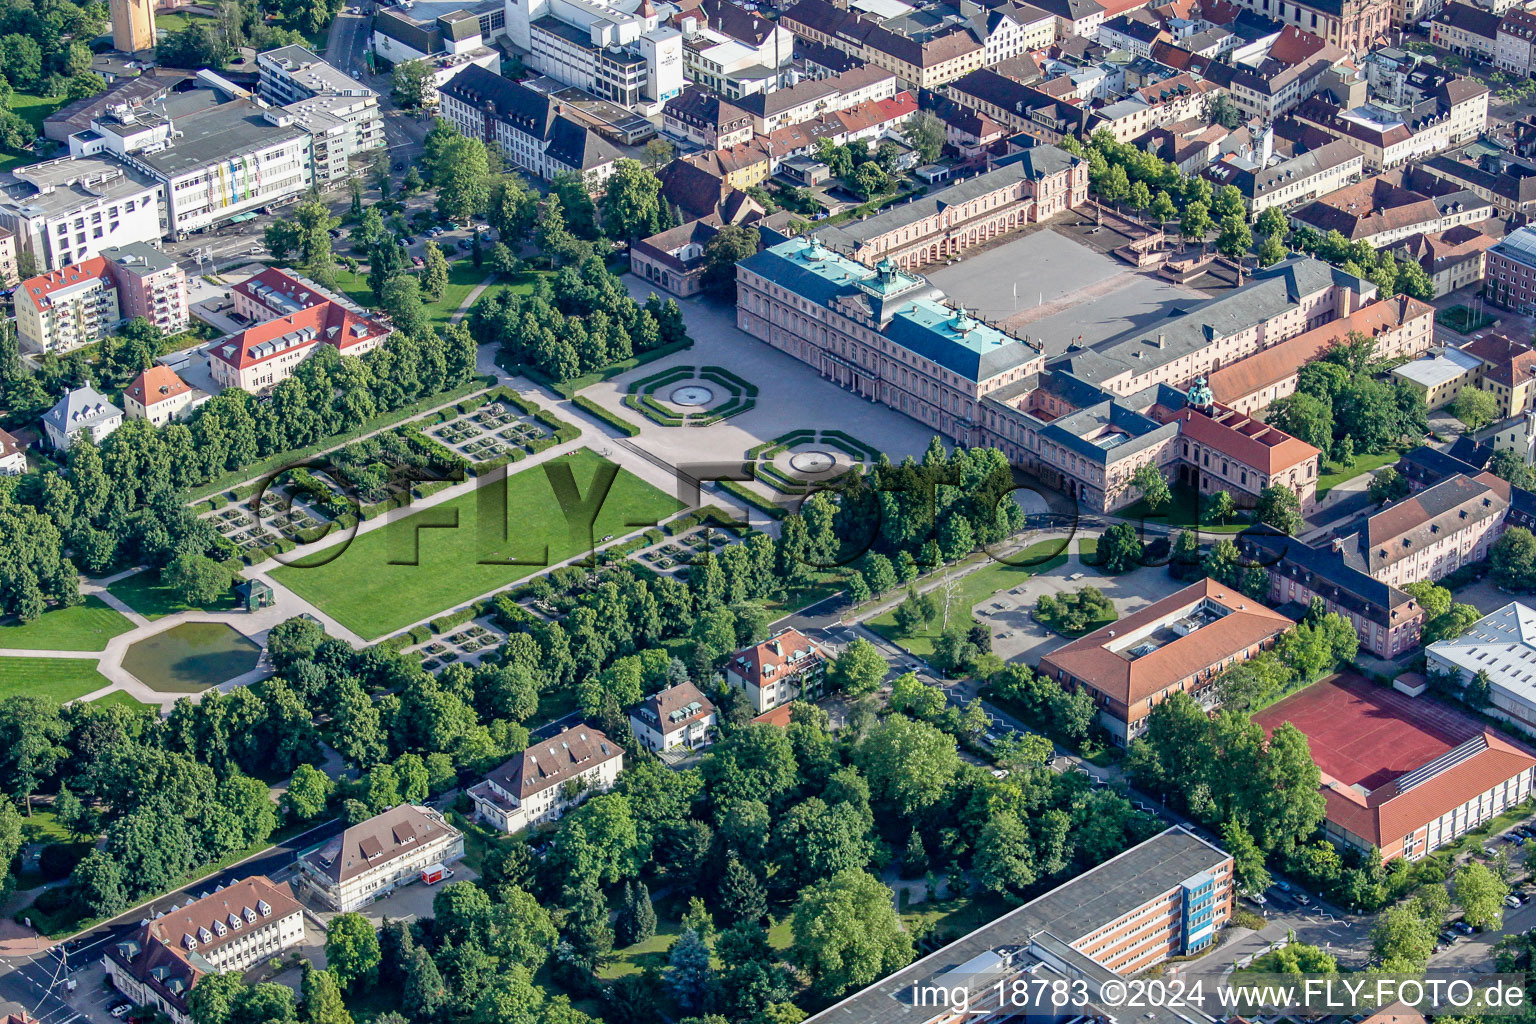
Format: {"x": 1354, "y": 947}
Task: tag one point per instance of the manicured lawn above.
{"x": 1183, "y": 511}
{"x": 144, "y": 594}
{"x": 976, "y": 587}
{"x": 119, "y": 697}
{"x": 1337, "y": 474}
{"x": 949, "y": 919}
{"x": 34, "y": 110}
{"x": 463, "y": 278}
{"x": 442, "y": 556}
{"x": 58, "y": 679}
{"x": 191, "y": 657}
{"x": 176, "y": 22}
{"x": 85, "y": 627}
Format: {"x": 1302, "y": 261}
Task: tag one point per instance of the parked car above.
{"x": 1512, "y": 901}
{"x": 1256, "y": 898}
{"x": 1448, "y": 936}
{"x": 1462, "y": 927}
{"x": 1514, "y": 837}
{"x": 120, "y": 1011}
{"x": 1527, "y": 831}
{"x": 466, "y": 244}
{"x": 417, "y": 261}
{"x": 1303, "y": 899}
{"x": 1282, "y": 885}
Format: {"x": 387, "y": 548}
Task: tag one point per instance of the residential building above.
{"x": 1152, "y": 106}
{"x": 1453, "y": 258}
{"x": 77, "y": 305}
{"x": 10, "y": 267}
{"x": 740, "y": 166}
{"x": 1266, "y": 82}
{"x": 1180, "y": 644}
{"x": 1509, "y": 275}
{"x": 704, "y": 117}
{"x": 264, "y": 355}
{"x": 1035, "y": 186}
{"x": 1431, "y": 533}
{"x": 1134, "y": 33}
{"x": 1381, "y": 210}
{"x": 678, "y": 717}
{"x": 1512, "y": 189}
{"x": 1079, "y": 18}
{"x": 1310, "y": 175}
{"x": 83, "y": 411}
{"x": 622, "y": 51}
{"x": 1401, "y": 777}
{"x": 13, "y": 457}
{"x": 1439, "y": 376}
{"x": 786, "y": 667}
{"x": 341, "y": 114}
{"x": 159, "y": 396}
{"x": 1354, "y": 26}
{"x": 377, "y": 856}
{"x": 1386, "y": 619}
{"x": 806, "y": 100}
{"x": 1507, "y": 370}
{"x": 133, "y": 25}
{"x": 1514, "y": 49}
{"x": 548, "y": 779}
{"x": 926, "y": 58}
{"x": 1166, "y": 897}
{"x": 233, "y": 928}
{"x": 1387, "y": 138}
{"x": 1467, "y": 30}
{"x": 449, "y": 36}
{"x": 1400, "y": 326}
{"x": 1019, "y": 107}
{"x": 534, "y": 133}
{"x": 68, "y": 210}
{"x": 213, "y": 164}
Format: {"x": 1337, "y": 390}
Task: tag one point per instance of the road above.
{"x": 36, "y": 983}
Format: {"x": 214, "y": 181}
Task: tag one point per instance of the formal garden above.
{"x": 86, "y": 626}
{"x": 469, "y": 645}
{"x": 677, "y": 553}
{"x": 691, "y": 396}
{"x": 795, "y": 462}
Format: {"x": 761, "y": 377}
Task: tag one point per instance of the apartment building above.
{"x": 1171, "y": 100}
{"x": 1180, "y": 644}
{"x": 150, "y": 284}
{"x": 340, "y": 113}
{"x": 1507, "y": 370}
{"x": 1382, "y": 210}
{"x": 377, "y": 856}
{"x": 1509, "y": 278}
{"x": 213, "y": 163}
{"x": 1467, "y": 30}
{"x": 79, "y": 304}
{"x": 923, "y": 57}
{"x": 1307, "y": 176}
{"x": 1390, "y": 137}
{"x": 532, "y": 129}
{"x": 1267, "y": 84}
{"x": 706, "y": 118}
{"x": 446, "y": 36}
{"x": 233, "y": 928}
{"x": 1019, "y": 107}
{"x": 1453, "y": 258}
{"x": 679, "y": 717}
{"x": 10, "y": 267}
{"x": 786, "y": 667}
{"x": 731, "y": 50}
{"x": 548, "y": 779}
{"x": 620, "y": 52}
{"x": 808, "y": 99}
{"x": 266, "y": 354}
{"x": 161, "y": 397}
{"x": 68, "y": 210}
{"x": 1431, "y": 533}
{"x": 1401, "y": 327}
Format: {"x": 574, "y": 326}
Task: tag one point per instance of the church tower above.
{"x": 133, "y": 25}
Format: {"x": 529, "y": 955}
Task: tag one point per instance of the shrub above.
{"x": 613, "y": 420}
{"x": 420, "y": 634}
{"x": 57, "y": 860}
{"x": 444, "y": 623}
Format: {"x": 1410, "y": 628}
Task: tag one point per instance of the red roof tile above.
{"x": 156, "y": 384}
{"x": 329, "y": 322}
{"x": 37, "y": 289}
{"x": 1251, "y": 442}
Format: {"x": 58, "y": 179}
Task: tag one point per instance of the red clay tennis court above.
{"x": 1368, "y": 734}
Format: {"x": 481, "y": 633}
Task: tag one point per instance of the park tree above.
{"x": 1513, "y": 560}
{"x": 688, "y": 971}
{"x": 1120, "y": 549}
{"x": 1480, "y": 893}
{"x": 401, "y": 299}
{"x": 637, "y": 917}
{"x": 729, "y": 246}
{"x": 323, "y": 1003}
{"x": 1195, "y": 223}
{"x": 1153, "y": 485}
{"x": 352, "y": 951}
{"x": 910, "y": 765}
{"x": 434, "y": 273}
{"x": 1279, "y": 507}
{"x": 309, "y": 790}
{"x": 463, "y": 179}
{"x": 926, "y": 133}
{"x": 197, "y": 579}
{"x": 1272, "y": 251}
{"x": 860, "y": 669}
{"x": 1162, "y": 208}
{"x": 846, "y": 933}
{"x": 409, "y": 83}
{"x": 1235, "y": 239}
{"x": 631, "y": 203}
{"x": 1475, "y": 408}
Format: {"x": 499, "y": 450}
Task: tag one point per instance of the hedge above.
{"x": 396, "y": 644}
{"x": 432, "y": 487}
{"x": 612, "y": 419}
{"x": 752, "y": 498}
{"x": 453, "y": 620}
{"x": 420, "y": 634}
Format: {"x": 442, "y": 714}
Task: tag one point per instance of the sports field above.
{"x": 85, "y": 627}
{"x": 445, "y": 555}
{"x": 58, "y": 679}
{"x": 1363, "y": 733}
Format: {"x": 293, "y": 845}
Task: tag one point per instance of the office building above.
{"x": 377, "y": 856}
{"x": 548, "y": 779}
{"x": 621, "y": 51}
{"x": 69, "y": 210}
{"x": 233, "y": 928}
{"x": 448, "y": 36}
{"x": 1439, "y": 376}
{"x": 340, "y": 113}
{"x": 1509, "y": 277}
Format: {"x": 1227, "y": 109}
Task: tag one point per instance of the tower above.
{"x": 133, "y": 25}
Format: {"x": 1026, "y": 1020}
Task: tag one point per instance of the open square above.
{"x": 445, "y": 555}
{"x": 1367, "y": 735}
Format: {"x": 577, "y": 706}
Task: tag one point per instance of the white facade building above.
{"x": 84, "y": 411}
{"x": 547, "y": 779}
{"x": 1501, "y": 644}
{"x": 678, "y": 717}
{"x": 620, "y": 51}
{"x": 13, "y": 460}
{"x": 377, "y": 856}
{"x": 68, "y": 210}
{"x": 340, "y": 113}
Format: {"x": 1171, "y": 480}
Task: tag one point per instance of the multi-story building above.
{"x": 1079, "y": 18}
{"x": 1509, "y": 275}
{"x": 68, "y": 210}
{"x": 377, "y": 856}
{"x": 1511, "y": 189}
{"x": 77, "y": 305}
{"x": 1453, "y": 258}
{"x": 534, "y": 134}
{"x": 674, "y": 259}
{"x": 266, "y": 354}
{"x": 1467, "y": 30}
{"x": 214, "y": 163}
{"x": 340, "y": 113}
{"x": 786, "y": 667}
{"x": 1387, "y": 620}
{"x": 1314, "y": 173}
{"x": 806, "y": 100}
{"x": 1382, "y": 210}
{"x": 924, "y": 58}
{"x": 81, "y": 412}
{"x": 1354, "y": 26}
{"x": 678, "y": 717}
{"x": 13, "y": 457}
{"x": 444, "y": 35}
{"x": 1502, "y": 647}
{"x": 731, "y": 50}
{"x": 1506, "y": 369}
{"x": 1035, "y": 186}
{"x": 1019, "y": 107}
{"x": 1431, "y": 533}
{"x": 159, "y": 396}
{"x": 704, "y": 117}
{"x": 1264, "y": 86}
{"x": 1221, "y": 449}
{"x": 1166, "y": 897}
{"x": 10, "y": 267}
{"x": 1439, "y": 376}
{"x": 1152, "y": 106}
{"x": 1388, "y": 138}
{"x": 548, "y": 779}
{"x": 233, "y": 928}
{"x": 1180, "y": 644}
{"x": 621, "y": 51}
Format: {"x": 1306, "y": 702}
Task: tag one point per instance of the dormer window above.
{"x": 204, "y": 935}
{"x": 264, "y": 907}
{"x": 250, "y": 915}
{"x": 189, "y": 941}
{"x": 220, "y": 928}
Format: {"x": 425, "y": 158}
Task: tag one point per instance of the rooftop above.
{"x": 371, "y": 844}
{"x": 1434, "y": 369}
{"x": 218, "y": 134}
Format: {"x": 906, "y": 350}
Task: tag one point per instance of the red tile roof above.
{"x": 37, "y": 289}
{"x": 1251, "y": 442}
{"x": 8, "y": 445}
{"x": 1103, "y": 663}
{"x": 329, "y": 322}
{"x": 774, "y": 655}
{"x": 1508, "y": 360}
{"x": 156, "y": 384}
